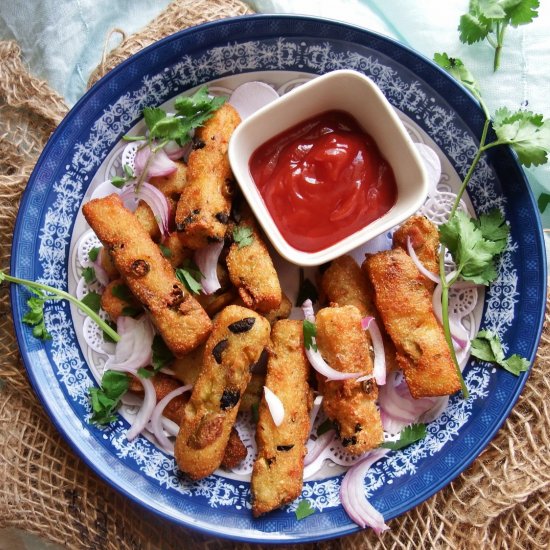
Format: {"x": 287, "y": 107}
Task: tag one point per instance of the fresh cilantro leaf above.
{"x": 162, "y": 356}
{"x": 106, "y": 399}
{"x": 325, "y": 427}
{"x": 128, "y": 171}
{"x": 88, "y": 274}
{"x": 521, "y": 12}
{"x": 144, "y": 373}
{"x": 166, "y": 252}
{"x": 543, "y": 201}
{"x": 473, "y": 26}
{"x": 455, "y": 67}
{"x": 118, "y": 181}
{"x": 306, "y": 291}
{"x": 93, "y": 301}
{"x": 494, "y": 228}
{"x": 474, "y": 254}
{"x": 310, "y": 331}
{"x": 487, "y": 347}
{"x": 304, "y": 510}
{"x": 410, "y": 434}
{"x": 94, "y": 253}
{"x": 122, "y": 292}
{"x": 152, "y": 116}
{"x": 131, "y": 311}
{"x": 243, "y": 235}
{"x": 189, "y": 274}
{"x": 527, "y": 133}
{"x": 34, "y": 317}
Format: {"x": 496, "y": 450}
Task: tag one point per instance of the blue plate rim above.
{"x": 17, "y": 314}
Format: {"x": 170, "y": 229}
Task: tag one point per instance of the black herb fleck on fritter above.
{"x": 244, "y": 325}
{"x": 222, "y": 217}
{"x": 218, "y": 349}
{"x": 284, "y": 447}
{"x": 346, "y": 441}
{"x": 229, "y": 398}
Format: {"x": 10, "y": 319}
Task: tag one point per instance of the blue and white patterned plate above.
{"x": 252, "y": 48}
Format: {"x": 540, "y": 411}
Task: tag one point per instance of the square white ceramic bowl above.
{"x": 356, "y": 94}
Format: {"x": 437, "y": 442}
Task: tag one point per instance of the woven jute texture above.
{"x": 501, "y": 501}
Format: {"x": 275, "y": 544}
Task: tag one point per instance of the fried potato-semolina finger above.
{"x": 277, "y": 475}
{"x": 349, "y": 404}
{"x": 107, "y": 264}
{"x": 252, "y": 272}
{"x": 411, "y": 323}
{"x": 174, "y": 251}
{"x": 235, "y": 452}
{"x": 424, "y": 237}
{"x": 281, "y": 312}
{"x": 178, "y": 317}
{"x": 204, "y": 205}
{"x": 164, "y": 384}
{"x": 173, "y": 184}
{"x": 345, "y": 284}
{"x": 236, "y": 342}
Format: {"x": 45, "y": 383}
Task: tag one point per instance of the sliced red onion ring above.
{"x": 432, "y": 164}
{"x": 154, "y": 198}
{"x": 206, "y": 259}
{"x": 159, "y": 165}
{"x": 175, "y": 152}
{"x": 379, "y": 370}
{"x": 275, "y": 406}
{"x": 315, "y": 358}
{"x": 133, "y": 351}
{"x": 252, "y": 96}
{"x": 146, "y": 410}
{"x": 156, "y": 417}
{"x": 420, "y": 266}
{"x": 352, "y": 494}
{"x": 398, "y": 407}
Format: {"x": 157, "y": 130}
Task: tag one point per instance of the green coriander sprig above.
{"x": 44, "y": 293}
{"x": 489, "y": 20}
{"x": 476, "y": 244}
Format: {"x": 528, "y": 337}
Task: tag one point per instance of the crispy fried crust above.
{"x": 174, "y": 251}
{"x": 237, "y": 340}
{"x": 349, "y": 404}
{"x": 281, "y": 312}
{"x": 107, "y": 264}
{"x": 178, "y": 317}
{"x": 424, "y": 237}
{"x": 344, "y": 284}
{"x": 251, "y": 270}
{"x": 204, "y": 205}
{"x": 410, "y": 321}
{"x": 173, "y": 184}
{"x": 278, "y": 469}
{"x": 235, "y": 452}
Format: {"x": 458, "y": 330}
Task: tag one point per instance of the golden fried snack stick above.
{"x": 424, "y": 237}
{"x": 204, "y": 205}
{"x": 349, "y": 404}
{"x": 237, "y": 340}
{"x": 345, "y": 284}
{"x": 235, "y": 452}
{"x": 117, "y": 300}
{"x": 178, "y": 317}
{"x": 251, "y": 270}
{"x": 406, "y": 309}
{"x": 278, "y": 470}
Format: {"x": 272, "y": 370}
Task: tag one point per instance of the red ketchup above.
{"x": 323, "y": 180}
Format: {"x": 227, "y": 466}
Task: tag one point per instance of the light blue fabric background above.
{"x": 63, "y": 40}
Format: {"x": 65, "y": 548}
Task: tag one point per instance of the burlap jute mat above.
{"x": 501, "y": 501}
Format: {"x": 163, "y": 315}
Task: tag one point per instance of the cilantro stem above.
{"x": 62, "y": 295}
{"x": 445, "y": 316}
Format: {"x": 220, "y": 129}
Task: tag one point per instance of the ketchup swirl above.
{"x": 323, "y": 180}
